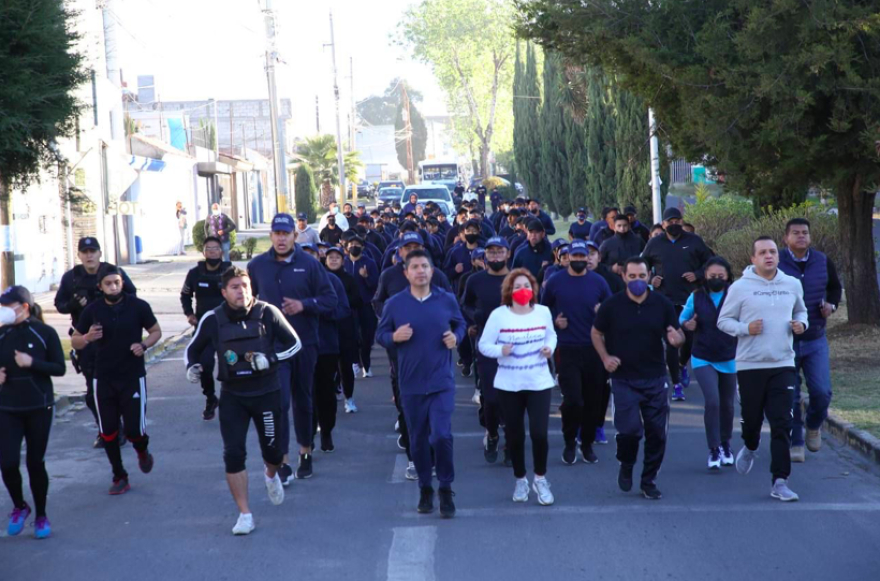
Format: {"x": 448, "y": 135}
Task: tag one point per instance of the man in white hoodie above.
{"x": 765, "y": 309}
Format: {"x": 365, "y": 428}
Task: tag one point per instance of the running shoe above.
{"x": 285, "y": 472}
{"x": 356, "y": 368}
{"x": 400, "y": 442}
{"x": 244, "y": 525}
{"x": 685, "y": 376}
{"x": 715, "y": 459}
{"x": 466, "y": 370}
{"x": 569, "y": 453}
{"x": 17, "y": 518}
{"x": 368, "y": 373}
{"x": 521, "y": 491}
{"x": 426, "y": 500}
{"x": 651, "y": 492}
{"x": 625, "y": 477}
{"x": 490, "y": 448}
{"x": 726, "y": 455}
{"x": 350, "y": 408}
{"x": 304, "y": 470}
{"x": 411, "y": 473}
{"x": 145, "y": 462}
{"x": 678, "y": 392}
{"x": 588, "y": 455}
{"x": 744, "y": 460}
{"x": 42, "y": 528}
{"x": 798, "y": 454}
{"x": 210, "y": 408}
{"x": 327, "y": 445}
{"x": 600, "y": 436}
{"x": 447, "y": 506}
{"x": 814, "y": 440}
{"x": 781, "y": 491}
{"x": 476, "y": 397}
{"x": 542, "y": 488}
{"x": 99, "y": 443}
{"x": 275, "y": 489}
{"x": 119, "y": 486}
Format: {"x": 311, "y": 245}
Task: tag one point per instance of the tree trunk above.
{"x": 484, "y": 159}
{"x": 7, "y": 256}
{"x": 855, "y": 219}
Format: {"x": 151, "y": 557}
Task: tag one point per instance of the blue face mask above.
{"x": 637, "y": 287}
{"x": 582, "y": 217}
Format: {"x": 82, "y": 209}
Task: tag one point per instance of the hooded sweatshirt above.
{"x": 778, "y": 302}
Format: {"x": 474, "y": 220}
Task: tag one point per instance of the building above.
{"x": 378, "y": 152}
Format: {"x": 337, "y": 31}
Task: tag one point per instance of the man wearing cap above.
{"x": 508, "y": 227}
{"x": 580, "y": 230}
{"x": 537, "y": 253}
{"x": 458, "y": 258}
{"x": 677, "y": 260}
{"x": 536, "y": 212}
{"x": 115, "y": 324}
{"x": 635, "y": 226}
{"x": 452, "y": 236}
{"x": 622, "y": 245}
{"x": 331, "y": 233}
{"x": 573, "y": 297}
{"x": 366, "y": 275}
{"x": 220, "y": 226}
{"x": 296, "y": 283}
{"x": 78, "y": 289}
{"x": 371, "y": 235}
{"x": 482, "y": 295}
{"x": 305, "y": 234}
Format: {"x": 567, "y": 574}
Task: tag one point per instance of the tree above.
{"x": 599, "y": 128}
{"x": 381, "y": 109}
{"x": 554, "y": 166}
{"x": 526, "y": 137}
{"x": 305, "y": 189}
{"x": 319, "y": 154}
{"x": 633, "y": 153}
{"x": 419, "y": 135}
{"x": 39, "y": 70}
{"x": 469, "y": 45}
{"x": 779, "y": 96}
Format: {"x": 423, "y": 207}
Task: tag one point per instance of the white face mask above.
{"x": 335, "y": 211}
{"x": 216, "y": 211}
{"x": 8, "y": 315}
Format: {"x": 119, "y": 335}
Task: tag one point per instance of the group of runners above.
{"x": 616, "y": 311}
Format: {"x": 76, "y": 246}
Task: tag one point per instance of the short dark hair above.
{"x": 212, "y": 239}
{"x": 408, "y": 226}
{"x": 635, "y": 260}
{"x": 607, "y": 210}
{"x": 108, "y": 270}
{"x": 797, "y": 222}
{"x": 513, "y": 212}
{"x": 416, "y": 254}
{"x": 233, "y": 272}
{"x": 621, "y": 217}
{"x": 761, "y": 239}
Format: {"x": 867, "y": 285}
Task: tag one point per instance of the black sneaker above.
{"x": 145, "y": 462}
{"x": 119, "y": 486}
{"x": 588, "y": 455}
{"x": 466, "y": 370}
{"x": 651, "y": 492}
{"x": 99, "y": 443}
{"x": 285, "y": 472}
{"x": 490, "y": 452}
{"x": 625, "y": 477}
{"x": 304, "y": 470}
{"x": 210, "y": 407}
{"x": 569, "y": 453}
{"x": 507, "y": 459}
{"x": 426, "y": 501}
{"x": 327, "y": 442}
{"x": 447, "y": 506}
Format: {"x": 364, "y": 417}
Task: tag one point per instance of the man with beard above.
{"x": 331, "y": 233}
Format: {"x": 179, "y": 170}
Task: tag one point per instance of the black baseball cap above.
{"x": 535, "y": 226}
{"x": 672, "y": 214}
{"x": 630, "y": 211}
{"x": 17, "y": 294}
{"x": 302, "y": 216}
{"x": 88, "y": 243}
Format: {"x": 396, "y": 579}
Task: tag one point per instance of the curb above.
{"x": 153, "y": 355}
{"x": 853, "y": 437}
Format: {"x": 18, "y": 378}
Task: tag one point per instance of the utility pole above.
{"x": 655, "y": 168}
{"x": 339, "y": 159}
{"x": 408, "y": 130}
{"x": 353, "y": 121}
{"x": 317, "y": 116}
{"x": 281, "y": 193}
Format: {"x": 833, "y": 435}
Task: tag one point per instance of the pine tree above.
{"x": 554, "y": 166}
{"x": 528, "y": 155}
{"x": 599, "y": 128}
{"x": 633, "y": 168}
{"x": 576, "y": 154}
{"x": 520, "y": 113}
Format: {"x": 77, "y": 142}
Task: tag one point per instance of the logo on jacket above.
{"x": 231, "y": 357}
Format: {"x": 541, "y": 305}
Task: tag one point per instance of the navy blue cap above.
{"x": 411, "y": 238}
{"x": 592, "y": 245}
{"x": 559, "y": 242}
{"x": 478, "y": 253}
{"x": 498, "y": 242}
{"x": 361, "y": 205}
{"x": 672, "y": 213}
{"x": 309, "y": 247}
{"x": 563, "y": 251}
{"x": 17, "y": 294}
{"x": 578, "y": 247}
{"x": 302, "y": 216}
{"x": 282, "y": 223}
{"x": 334, "y": 249}
{"x": 582, "y": 211}
{"x": 323, "y": 244}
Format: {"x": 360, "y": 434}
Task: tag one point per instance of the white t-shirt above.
{"x": 525, "y": 369}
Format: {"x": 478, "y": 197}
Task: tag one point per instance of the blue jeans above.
{"x": 226, "y": 246}
{"x": 811, "y": 357}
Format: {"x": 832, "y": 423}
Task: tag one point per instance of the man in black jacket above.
{"x": 203, "y": 283}
{"x": 635, "y": 226}
{"x": 623, "y": 245}
{"x": 677, "y": 260}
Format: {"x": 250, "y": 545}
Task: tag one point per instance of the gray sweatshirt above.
{"x": 778, "y": 302}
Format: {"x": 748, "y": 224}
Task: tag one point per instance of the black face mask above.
{"x": 113, "y": 299}
{"x": 675, "y": 230}
{"x": 380, "y": 227}
{"x": 213, "y": 262}
{"x": 471, "y": 238}
{"x": 331, "y": 222}
{"x": 535, "y": 212}
{"x": 716, "y": 285}
{"x": 496, "y": 265}
{"x": 578, "y": 266}
{"x": 355, "y": 251}
{"x": 347, "y": 214}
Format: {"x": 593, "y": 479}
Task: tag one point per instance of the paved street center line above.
{"x": 411, "y": 556}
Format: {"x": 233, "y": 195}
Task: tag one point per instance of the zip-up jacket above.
{"x": 30, "y": 388}
{"x": 819, "y": 279}
{"x": 204, "y": 285}
{"x": 672, "y": 259}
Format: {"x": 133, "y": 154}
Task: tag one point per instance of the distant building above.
{"x": 376, "y": 145}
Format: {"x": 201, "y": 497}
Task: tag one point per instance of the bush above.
{"x": 713, "y": 217}
{"x": 249, "y": 246}
{"x": 198, "y": 235}
{"x": 305, "y": 192}
{"x": 736, "y": 245}
{"x": 235, "y": 255}
{"x": 493, "y": 182}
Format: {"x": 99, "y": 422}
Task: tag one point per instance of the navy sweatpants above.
{"x": 641, "y": 406}
{"x": 429, "y": 419}
{"x": 297, "y": 386}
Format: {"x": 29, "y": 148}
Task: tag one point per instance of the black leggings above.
{"x": 128, "y": 398}
{"x": 236, "y": 413}
{"x": 33, "y": 427}
{"x": 325, "y": 393}
{"x": 514, "y": 405}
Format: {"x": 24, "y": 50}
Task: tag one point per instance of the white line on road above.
{"x": 398, "y": 475}
{"x": 411, "y": 556}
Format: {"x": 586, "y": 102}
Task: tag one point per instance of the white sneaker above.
{"x": 542, "y": 488}
{"x": 275, "y": 489}
{"x": 715, "y": 459}
{"x": 521, "y": 492}
{"x": 781, "y": 491}
{"x": 244, "y": 525}
{"x": 350, "y": 408}
{"x": 356, "y": 368}
{"x": 745, "y": 459}
{"x": 476, "y": 398}
{"x": 411, "y": 473}
{"x": 368, "y": 373}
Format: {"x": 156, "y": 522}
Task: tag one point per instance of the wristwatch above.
{"x": 144, "y": 347}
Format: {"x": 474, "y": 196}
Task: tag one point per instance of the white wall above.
{"x": 156, "y": 194}
{"x": 38, "y": 236}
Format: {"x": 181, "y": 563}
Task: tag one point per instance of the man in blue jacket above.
{"x": 366, "y": 273}
{"x": 822, "y": 294}
{"x": 424, "y": 325}
{"x": 537, "y": 253}
{"x": 298, "y": 284}
{"x": 536, "y": 211}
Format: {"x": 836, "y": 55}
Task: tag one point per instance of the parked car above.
{"x": 389, "y": 195}
{"x": 364, "y": 189}
{"x": 391, "y": 184}
{"x": 438, "y": 194}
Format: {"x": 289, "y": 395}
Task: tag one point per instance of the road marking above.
{"x": 643, "y": 508}
{"x": 398, "y": 475}
{"x": 411, "y": 556}
{"x": 609, "y": 432}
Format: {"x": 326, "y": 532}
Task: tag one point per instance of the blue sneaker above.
{"x": 17, "y": 519}
{"x": 678, "y": 392}
{"x": 43, "y": 528}
{"x": 685, "y": 376}
{"x": 600, "y": 436}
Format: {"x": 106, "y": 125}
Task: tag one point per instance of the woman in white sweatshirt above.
{"x": 520, "y": 335}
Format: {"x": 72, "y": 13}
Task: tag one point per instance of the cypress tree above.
{"x": 576, "y": 154}
{"x": 528, "y": 158}
{"x": 305, "y": 191}
{"x": 520, "y": 114}
{"x": 599, "y": 128}
{"x": 633, "y": 169}
{"x": 554, "y": 166}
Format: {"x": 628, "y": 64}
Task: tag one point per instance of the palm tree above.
{"x": 319, "y": 154}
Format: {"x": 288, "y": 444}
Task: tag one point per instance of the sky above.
{"x": 199, "y": 49}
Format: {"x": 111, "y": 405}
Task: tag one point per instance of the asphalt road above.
{"x": 356, "y": 519}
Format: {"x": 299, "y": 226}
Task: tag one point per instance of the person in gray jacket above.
{"x": 764, "y": 310}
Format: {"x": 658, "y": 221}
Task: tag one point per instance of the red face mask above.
{"x": 522, "y": 296}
